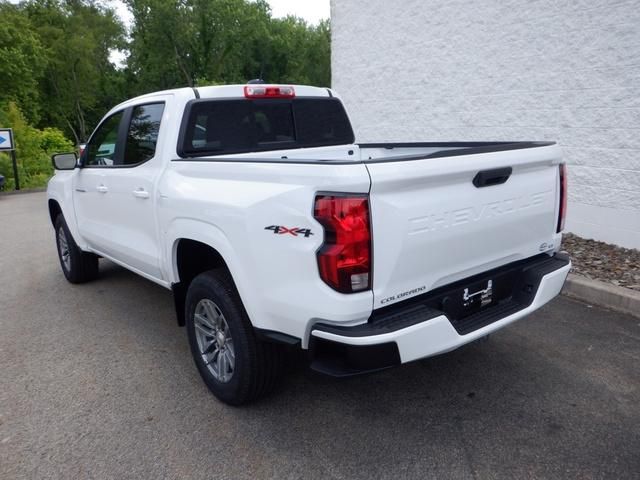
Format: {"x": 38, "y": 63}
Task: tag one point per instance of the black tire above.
{"x": 80, "y": 266}
{"x": 258, "y": 365}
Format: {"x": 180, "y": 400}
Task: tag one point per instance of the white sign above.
{"x": 6, "y": 139}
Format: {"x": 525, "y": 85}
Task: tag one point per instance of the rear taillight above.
{"x": 563, "y": 197}
{"x": 263, "y": 91}
{"x": 344, "y": 260}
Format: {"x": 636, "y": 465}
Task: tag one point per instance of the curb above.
{"x": 603, "y": 294}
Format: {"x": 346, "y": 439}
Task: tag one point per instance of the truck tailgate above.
{"x": 433, "y": 226}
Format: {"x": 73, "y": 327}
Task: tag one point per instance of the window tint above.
{"x": 143, "y": 133}
{"x": 102, "y": 147}
{"x": 233, "y": 126}
{"x": 322, "y": 122}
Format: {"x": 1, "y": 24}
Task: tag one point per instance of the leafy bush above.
{"x": 34, "y": 148}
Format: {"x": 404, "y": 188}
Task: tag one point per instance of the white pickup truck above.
{"x": 274, "y": 230}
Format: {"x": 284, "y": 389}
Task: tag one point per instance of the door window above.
{"x": 142, "y": 136}
{"x": 101, "y": 150}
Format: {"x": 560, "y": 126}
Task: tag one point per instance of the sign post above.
{"x": 6, "y": 144}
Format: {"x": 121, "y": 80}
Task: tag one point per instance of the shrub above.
{"x": 33, "y": 149}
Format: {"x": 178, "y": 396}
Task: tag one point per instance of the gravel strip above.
{"x": 602, "y": 261}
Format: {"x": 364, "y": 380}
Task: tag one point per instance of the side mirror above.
{"x": 64, "y": 161}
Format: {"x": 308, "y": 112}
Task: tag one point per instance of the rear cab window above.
{"x": 142, "y": 135}
{"x": 227, "y": 126}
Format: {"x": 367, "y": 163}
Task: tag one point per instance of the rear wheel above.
{"x": 77, "y": 266}
{"x": 234, "y": 364}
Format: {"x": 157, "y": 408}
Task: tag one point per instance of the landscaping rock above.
{"x": 602, "y": 261}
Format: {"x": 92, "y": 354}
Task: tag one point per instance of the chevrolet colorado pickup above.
{"x": 274, "y": 230}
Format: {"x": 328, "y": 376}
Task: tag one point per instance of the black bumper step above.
{"x": 524, "y": 282}
{"x": 514, "y": 287}
{"x": 385, "y": 324}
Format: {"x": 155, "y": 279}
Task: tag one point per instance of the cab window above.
{"x": 101, "y": 150}
{"x": 218, "y": 127}
{"x": 142, "y": 136}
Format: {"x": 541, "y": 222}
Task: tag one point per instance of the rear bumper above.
{"x": 420, "y": 328}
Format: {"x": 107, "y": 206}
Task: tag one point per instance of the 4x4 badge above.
{"x": 295, "y": 231}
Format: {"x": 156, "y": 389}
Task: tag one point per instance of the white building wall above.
{"x": 443, "y": 70}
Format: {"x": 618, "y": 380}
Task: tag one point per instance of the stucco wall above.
{"x": 427, "y": 70}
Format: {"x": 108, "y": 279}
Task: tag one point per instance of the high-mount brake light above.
{"x": 562, "y": 214}
{"x": 264, "y": 91}
{"x": 344, "y": 260}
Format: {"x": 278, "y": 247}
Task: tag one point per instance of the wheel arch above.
{"x": 54, "y": 210}
{"x": 197, "y": 248}
{"x": 60, "y": 202}
{"x": 191, "y": 258}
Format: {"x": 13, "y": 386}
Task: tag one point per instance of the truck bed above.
{"x": 444, "y": 211}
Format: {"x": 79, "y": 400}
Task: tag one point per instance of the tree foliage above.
{"x": 201, "y": 42}
{"x": 76, "y": 87}
{"x": 23, "y": 60}
{"x": 34, "y": 148}
{"x": 56, "y": 69}
{"x": 56, "y": 53}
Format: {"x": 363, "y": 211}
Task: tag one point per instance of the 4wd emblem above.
{"x": 295, "y": 231}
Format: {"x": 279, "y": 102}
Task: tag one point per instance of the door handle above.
{"x": 102, "y": 189}
{"x": 487, "y": 178}
{"x": 140, "y": 193}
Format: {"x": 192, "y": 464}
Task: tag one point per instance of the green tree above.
{"x": 55, "y": 53}
{"x": 181, "y": 43}
{"x": 297, "y": 52}
{"x": 80, "y": 83}
{"x": 196, "y": 42}
{"x": 23, "y": 61}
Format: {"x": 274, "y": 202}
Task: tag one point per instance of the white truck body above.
{"x": 430, "y": 227}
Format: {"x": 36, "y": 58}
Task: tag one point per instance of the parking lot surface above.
{"x": 96, "y": 382}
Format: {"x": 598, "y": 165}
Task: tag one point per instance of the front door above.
{"x": 90, "y": 196}
{"x": 125, "y": 226}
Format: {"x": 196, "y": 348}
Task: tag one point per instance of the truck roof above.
{"x": 228, "y": 91}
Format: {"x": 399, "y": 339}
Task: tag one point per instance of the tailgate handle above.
{"x": 496, "y": 176}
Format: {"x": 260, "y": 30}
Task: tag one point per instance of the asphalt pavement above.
{"x": 97, "y": 382}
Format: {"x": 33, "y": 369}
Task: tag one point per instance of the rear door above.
{"x": 433, "y": 226}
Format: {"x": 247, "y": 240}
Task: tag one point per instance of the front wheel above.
{"x": 235, "y": 365}
{"x": 77, "y": 266}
